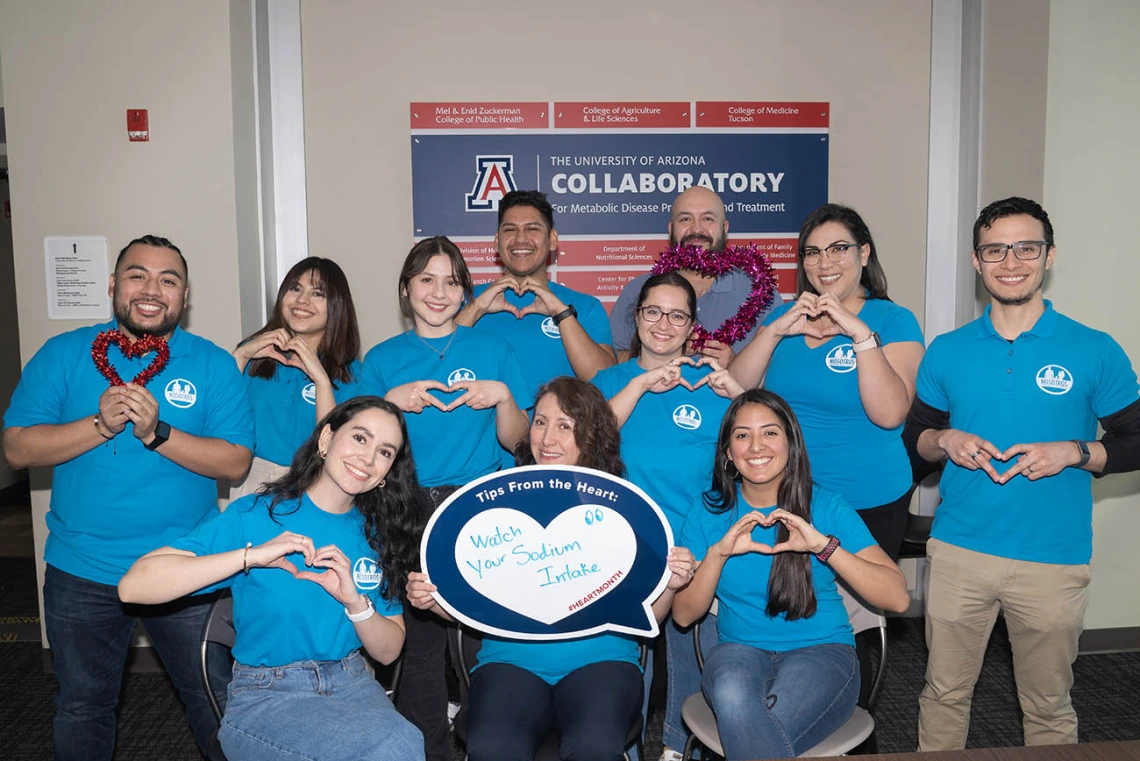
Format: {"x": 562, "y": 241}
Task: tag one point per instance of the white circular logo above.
{"x": 181, "y": 393}
{"x": 688, "y": 417}
{"x": 1054, "y": 379}
{"x": 366, "y": 574}
{"x": 550, "y": 329}
{"x": 462, "y": 374}
{"x": 841, "y": 359}
{"x": 309, "y": 394}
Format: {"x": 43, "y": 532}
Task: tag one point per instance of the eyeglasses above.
{"x": 836, "y": 252}
{"x": 1025, "y": 250}
{"x": 654, "y": 314}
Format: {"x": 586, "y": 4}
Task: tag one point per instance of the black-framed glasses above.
{"x": 836, "y": 252}
{"x": 654, "y": 314}
{"x": 1025, "y": 250}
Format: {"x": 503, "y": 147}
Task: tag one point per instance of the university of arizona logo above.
{"x": 309, "y": 394}
{"x": 688, "y": 417}
{"x": 1054, "y": 379}
{"x": 366, "y": 574}
{"x": 494, "y": 178}
{"x": 841, "y": 359}
{"x": 181, "y": 393}
{"x": 550, "y": 329}
{"x": 462, "y": 374}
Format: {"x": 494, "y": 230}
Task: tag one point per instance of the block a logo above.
{"x": 841, "y": 359}
{"x": 181, "y": 393}
{"x": 550, "y": 329}
{"x": 494, "y": 178}
{"x": 688, "y": 417}
{"x": 309, "y": 394}
{"x": 366, "y": 574}
{"x": 462, "y": 374}
{"x": 1054, "y": 380}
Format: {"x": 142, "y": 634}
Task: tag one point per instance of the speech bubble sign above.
{"x": 548, "y": 553}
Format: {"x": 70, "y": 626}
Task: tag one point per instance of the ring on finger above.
{"x": 976, "y": 453}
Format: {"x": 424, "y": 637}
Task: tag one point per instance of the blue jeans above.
{"x": 779, "y": 704}
{"x": 89, "y": 631}
{"x": 512, "y": 711}
{"x": 684, "y": 678}
{"x": 314, "y": 709}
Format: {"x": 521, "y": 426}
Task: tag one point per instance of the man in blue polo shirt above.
{"x": 134, "y": 469}
{"x": 553, "y": 330}
{"x": 1011, "y": 401}
{"x": 697, "y": 218}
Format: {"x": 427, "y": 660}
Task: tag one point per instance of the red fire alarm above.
{"x": 138, "y": 125}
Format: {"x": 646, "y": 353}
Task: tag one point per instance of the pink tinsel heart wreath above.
{"x": 748, "y": 259}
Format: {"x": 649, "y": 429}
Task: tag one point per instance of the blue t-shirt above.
{"x": 849, "y": 454}
{"x": 449, "y": 447}
{"x": 1051, "y": 383}
{"x": 118, "y": 501}
{"x": 280, "y": 619}
{"x": 551, "y": 661}
{"x": 743, "y": 587}
{"x": 720, "y": 302}
{"x": 537, "y": 340}
{"x": 669, "y": 442}
{"x": 285, "y": 409}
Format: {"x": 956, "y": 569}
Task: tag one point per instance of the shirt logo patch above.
{"x": 309, "y": 394}
{"x": 550, "y": 329}
{"x": 366, "y": 574}
{"x": 181, "y": 393}
{"x": 462, "y": 374}
{"x": 841, "y": 359}
{"x": 1054, "y": 380}
{"x": 688, "y": 417}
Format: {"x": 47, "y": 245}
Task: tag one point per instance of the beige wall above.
{"x": 1091, "y": 165}
{"x": 365, "y": 61}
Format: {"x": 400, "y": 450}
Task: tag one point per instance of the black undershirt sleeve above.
{"x": 922, "y": 417}
{"x": 1121, "y": 440}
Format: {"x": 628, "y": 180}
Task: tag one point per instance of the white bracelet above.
{"x": 363, "y": 615}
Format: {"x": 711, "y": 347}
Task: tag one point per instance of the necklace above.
{"x": 435, "y": 350}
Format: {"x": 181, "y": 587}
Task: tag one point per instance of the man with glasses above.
{"x": 697, "y": 219}
{"x": 1011, "y": 401}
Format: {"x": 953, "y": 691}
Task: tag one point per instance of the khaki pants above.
{"x": 1044, "y": 606}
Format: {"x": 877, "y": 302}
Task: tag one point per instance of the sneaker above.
{"x": 668, "y": 754}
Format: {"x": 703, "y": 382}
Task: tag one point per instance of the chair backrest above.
{"x": 219, "y": 629}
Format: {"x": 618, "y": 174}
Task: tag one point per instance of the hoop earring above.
{"x": 731, "y": 476}
{"x": 322, "y": 453}
{"x": 382, "y": 482}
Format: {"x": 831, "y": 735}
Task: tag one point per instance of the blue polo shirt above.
{"x": 669, "y": 442}
{"x": 1051, "y": 383}
{"x": 720, "y": 302}
{"x": 551, "y": 661}
{"x": 743, "y": 588}
{"x": 285, "y": 409}
{"x": 116, "y": 502}
{"x": 280, "y": 619}
{"x": 849, "y": 454}
{"x": 449, "y": 447}
{"x": 537, "y": 340}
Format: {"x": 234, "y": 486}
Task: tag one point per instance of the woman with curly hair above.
{"x": 586, "y": 689}
{"x": 316, "y": 562}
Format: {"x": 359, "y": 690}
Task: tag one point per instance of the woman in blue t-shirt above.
{"x": 316, "y": 564}
{"x": 587, "y": 689}
{"x": 299, "y": 366}
{"x": 845, "y": 357}
{"x": 784, "y": 675}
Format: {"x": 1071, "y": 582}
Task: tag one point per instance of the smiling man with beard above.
{"x": 134, "y": 468}
{"x": 697, "y": 219}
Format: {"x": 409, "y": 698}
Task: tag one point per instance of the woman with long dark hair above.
{"x": 587, "y": 689}
{"x": 299, "y": 366}
{"x": 845, "y": 357}
{"x": 316, "y": 562}
{"x": 784, "y": 675}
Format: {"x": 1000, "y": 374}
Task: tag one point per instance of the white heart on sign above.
{"x": 546, "y": 573}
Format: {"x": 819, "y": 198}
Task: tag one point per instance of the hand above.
{"x": 494, "y": 299}
{"x": 970, "y": 452}
{"x": 545, "y": 302}
{"x": 113, "y": 410}
{"x": 681, "y": 566}
{"x": 847, "y": 323}
{"x": 142, "y": 410}
{"x": 719, "y": 380}
{"x": 666, "y": 377}
{"x": 419, "y": 589}
{"x": 337, "y": 578}
{"x": 272, "y": 553}
{"x": 802, "y": 536}
{"x": 721, "y": 352}
{"x": 1040, "y": 460}
{"x": 269, "y": 344}
{"x": 414, "y": 396}
{"x": 803, "y": 320}
{"x": 479, "y": 395}
{"x": 738, "y": 539}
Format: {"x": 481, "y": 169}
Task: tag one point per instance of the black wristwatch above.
{"x": 565, "y": 314}
{"x": 1085, "y": 454}
{"x": 161, "y": 434}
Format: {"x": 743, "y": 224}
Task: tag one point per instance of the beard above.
{"x": 705, "y": 242}
{"x": 164, "y": 328}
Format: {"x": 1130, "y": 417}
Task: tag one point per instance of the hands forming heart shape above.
{"x": 416, "y": 396}
{"x": 494, "y": 298}
{"x": 668, "y": 376}
{"x": 819, "y": 316}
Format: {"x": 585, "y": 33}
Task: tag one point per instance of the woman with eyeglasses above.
{"x": 845, "y": 358}
{"x": 669, "y": 406}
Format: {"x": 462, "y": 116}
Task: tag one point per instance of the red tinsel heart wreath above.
{"x": 748, "y": 259}
{"x": 139, "y": 348}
